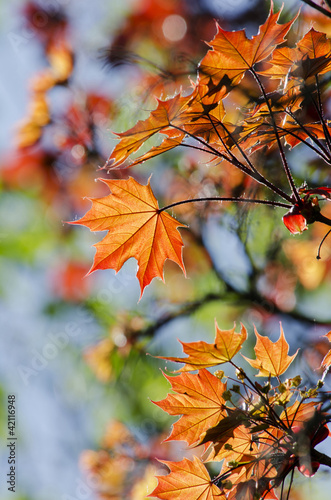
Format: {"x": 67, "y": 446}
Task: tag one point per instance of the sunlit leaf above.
{"x": 233, "y": 53}
{"x": 197, "y": 114}
{"x": 187, "y": 480}
{"x": 203, "y": 355}
{"x": 272, "y": 358}
{"x": 136, "y": 228}
{"x": 326, "y": 362}
{"x": 298, "y": 413}
{"x": 199, "y": 401}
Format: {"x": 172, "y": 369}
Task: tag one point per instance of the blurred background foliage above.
{"x": 73, "y": 349}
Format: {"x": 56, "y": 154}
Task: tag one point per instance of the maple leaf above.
{"x": 298, "y": 413}
{"x": 326, "y": 361}
{"x": 136, "y": 228}
{"x": 172, "y": 141}
{"x": 172, "y": 117}
{"x": 316, "y": 48}
{"x": 310, "y": 57}
{"x": 233, "y": 53}
{"x": 203, "y": 355}
{"x": 221, "y": 432}
{"x": 187, "y": 480}
{"x": 283, "y": 59}
{"x": 271, "y": 357}
{"x": 132, "y": 139}
{"x": 199, "y": 401}
{"x": 235, "y": 447}
{"x": 260, "y": 134}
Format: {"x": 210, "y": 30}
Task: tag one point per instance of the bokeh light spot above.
{"x": 78, "y": 151}
{"x": 174, "y": 28}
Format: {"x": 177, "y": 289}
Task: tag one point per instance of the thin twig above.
{"x": 290, "y": 485}
{"x": 318, "y": 256}
{"x": 224, "y": 198}
{"x": 234, "y": 161}
{"x": 318, "y": 143}
{"x": 280, "y": 147}
{"x": 317, "y": 7}
{"x": 320, "y": 106}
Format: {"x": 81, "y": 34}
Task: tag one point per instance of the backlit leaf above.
{"x": 311, "y": 56}
{"x": 233, "y": 53}
{"x": 199, "y": 401}
{"x": 235, "y": 447}
{"x": 203, "y": 355}
{"x": 187, "y": 480}
{"x": 317, "y": 47}
{"x": 326, "y": 362}
{"x": 272, "y": 358}
{"x": 298, "y": 413}
{"x": 136, "y": 228}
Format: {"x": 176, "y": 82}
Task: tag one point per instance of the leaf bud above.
{"x": 296, "y": 381}
{"x": 282, "y": 388}
{"x": 227, "y": 396}
{"x": 219, "y": 374}
{"x": 233, "y": 464}
{"x": 228, "y": 446}
{"x": 266, "y": 388}
{"x": 227, "y": 484}
{"x": 240, "y": 374}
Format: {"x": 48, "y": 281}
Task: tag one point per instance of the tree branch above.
{"x": 321, "y": 458}
{"x": 317, "y": 7}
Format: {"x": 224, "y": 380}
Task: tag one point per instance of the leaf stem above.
{"x": 290, "y": 485}
{"x": 318, "y": 143}
{"x": 234, "y": 161}
{"x": 317, "y": 7}
{"x": 224, "y": 198}
{"x": 318, "y": 256}
{"x": 303, "y": 141}
{"x": 280, "y": 147}
{"x": 320, "y": 106}
{"x": 321, "y": 458}
{"x": 235, "y": 142}
{"x": 321, "y": 218}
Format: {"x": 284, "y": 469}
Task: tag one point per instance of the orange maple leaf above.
{"x": 271, "y": 357}
{"x": 235, "y": 446}
{"x": 203, "y": 355}
{"x": 136, "y": 228}
{"x": 310, "y": 57}
{"x": 199, "y": 401}
{"x": 233, "y": 53}
{"x": 298, "y": 413}
{"x": 172, "y": 117}
{"x": 326, "y": 362}
{"x": 262, "y": 134}
{"x": 187, "y": 480}
{"x": 159, "y": 119}
{"x": 283, "y": 59}
{"x": 317, "y": 47}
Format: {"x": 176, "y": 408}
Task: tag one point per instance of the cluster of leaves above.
{"x": 261, "y": 432}
{"x": 131, "y": 214}
{"x": 252, "y": 100}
